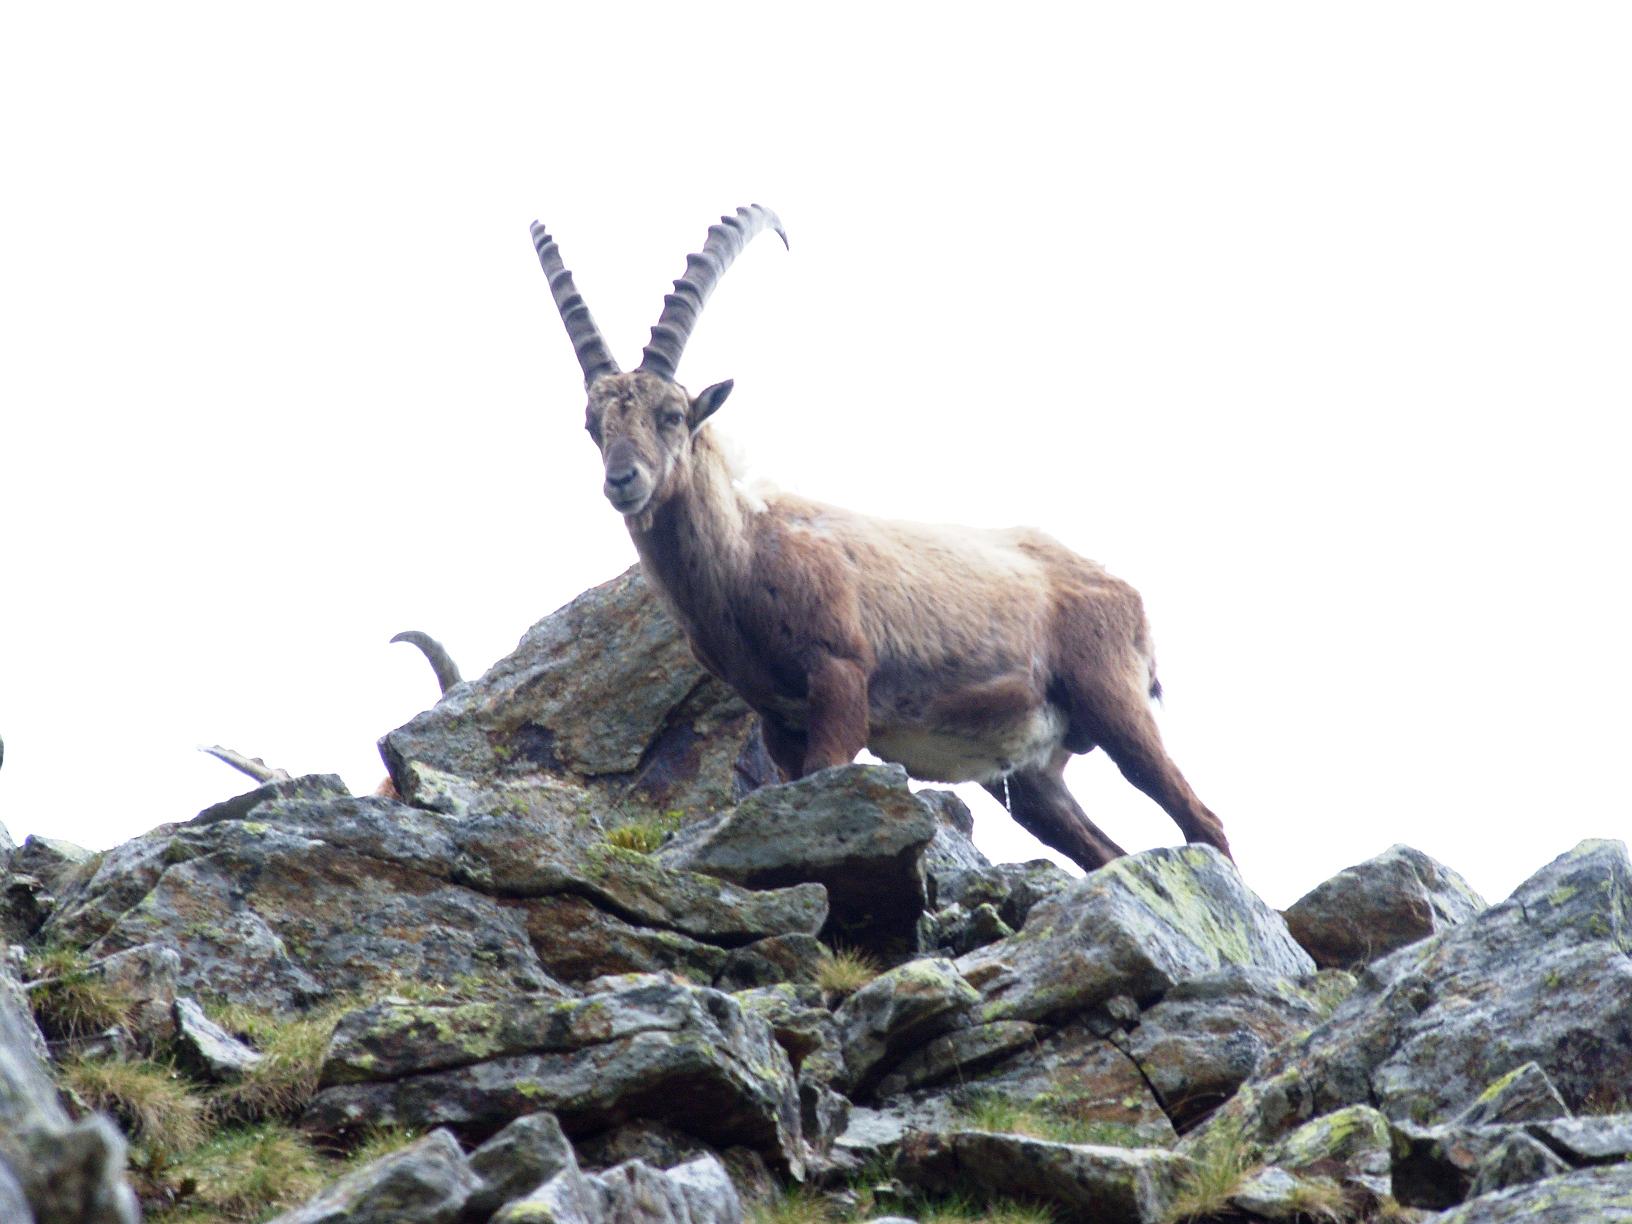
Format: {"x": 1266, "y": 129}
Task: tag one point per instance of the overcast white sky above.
{"x": 1311, "y": 320}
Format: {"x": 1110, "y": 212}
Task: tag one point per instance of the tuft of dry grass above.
{"x": 1219, "y": 1167}
{"x": 840, "y": 972}
{"x": 381, "y": 1141}
{"x": 244, "y": 1174}
{"x": 1040, "y": 1120}
{"x": 1321, "y": 1201}
{"x": 797, "y": 1205}
{"x": 70, "y": 999}
{"x": 152, "y": 1102}
{"x": 292, "y": 1050}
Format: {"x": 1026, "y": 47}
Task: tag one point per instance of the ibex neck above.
{"x": 697, "y": 546}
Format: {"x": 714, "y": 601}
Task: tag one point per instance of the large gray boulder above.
{"x": 603, "y": 693}
{"x": 427, "y": 1182}
{"x": 644, "y": 1047}
{"x": 856, "y": 829}
{"x": 1387, "y": 902}
{"x": 1133, "y": 929}
{"x": 260, "y": 898}
{"x": 1209, "y": 1034}
{"x": 1545, "y": 978}
{"x": 1584, "y": 1196}
{"x": 899, "y": 1010}
{"x": 700, "y": 1191}
{"x": 1108, "y": 1185}
{"x": 68, "y": 1172}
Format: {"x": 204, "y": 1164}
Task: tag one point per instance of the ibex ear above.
{"x": 708, "y": 401}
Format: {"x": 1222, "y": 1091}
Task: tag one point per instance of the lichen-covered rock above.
{"x": 145, "y": 976}
{"x": 1135, "y": 928}
{"x": 1544, "y": 977}
{"x": 427, "y": 1182}
{"x": 67, "y": 1172}
{"x": 1516, "y": 1161}
{"x": 1351, "y": 1146}
{"x": 873, "y": 1135}
{"x": 961, "y": 1053}
{"x": 524, "y": 1155}
{"x": 265, "y": 908}
{"x": 896, "y": 1011}
{"x": 1209, "y": 1034}
{"x": 603, "y": 693}
{"x": 1440, "y": 1166}
{"x": 955, "y": 931}
{"x": 1105, "y": 1184}
{"x": 576, "y": 941}
{"x": 799, "y": 1022}
{"x": 1011, "y": 888}
{"x": 793, "y": 958}
{"x": 50, "y": 859}
{"x": 1076, "y": 1074}
{"x": 1598, "y": 1139}
{"x": 1519, "y": 1096}
{"x": 700, "y": 1191}
{"x": 952, "y": 849}
{"x": 1369, "y": 910}
{"x": 1585, "y": 1196}
{"x": 856, "y": 829}
{"x": 635, "y": 887}
{"x": 647, "y": 1048}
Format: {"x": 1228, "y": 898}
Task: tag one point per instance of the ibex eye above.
{"x": 674, "y": 418}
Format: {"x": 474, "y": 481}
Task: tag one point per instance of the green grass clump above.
{"x": 244, "y": 1174}
{"x": 152, "y": 1102}
{"x": 644, "y": 836}
{"x": 797, "y": 1205}
{"x": 381, "y": 1141}
{"x": 962, "y": 1209}
{"x": 70, "y": 999}
{"x": 840, "y": 972}
{"x": 991, "y": 1112}
{"x": 291, "y": 1049}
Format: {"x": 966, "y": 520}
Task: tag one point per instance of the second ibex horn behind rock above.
{"x": 962, "y": 654}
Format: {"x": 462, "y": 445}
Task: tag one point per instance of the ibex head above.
{"x": 644, "y": 421}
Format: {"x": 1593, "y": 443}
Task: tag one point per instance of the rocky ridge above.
{"x": 591, "y": 966}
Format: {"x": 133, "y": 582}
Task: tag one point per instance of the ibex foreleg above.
{"x": 836, "y": 729}
{"x": 1042, "y": 806}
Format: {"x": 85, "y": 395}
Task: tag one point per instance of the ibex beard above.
{"x": 964, "y": 655}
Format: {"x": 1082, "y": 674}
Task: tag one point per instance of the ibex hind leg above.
{"x": 1127, "y": 730}
{"x": 1041, "y": 805}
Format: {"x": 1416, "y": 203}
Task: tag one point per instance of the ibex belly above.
{"x": 977, "y": 733}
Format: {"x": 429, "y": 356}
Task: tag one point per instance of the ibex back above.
{"x": 963, "y": 655}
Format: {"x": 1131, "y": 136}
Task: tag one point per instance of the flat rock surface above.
{"x": 1135, "y": 928}
{"x": 647, "y": 1048}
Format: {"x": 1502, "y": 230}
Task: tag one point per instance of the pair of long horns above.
{"x": 681, "y": 308}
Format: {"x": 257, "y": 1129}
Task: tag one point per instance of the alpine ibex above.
{"x": 961, "y": 654}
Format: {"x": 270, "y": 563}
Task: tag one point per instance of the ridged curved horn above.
{"x": 447, "y": 671}
{"x": 703, "y": 272}
{"x": 593, "y": 354}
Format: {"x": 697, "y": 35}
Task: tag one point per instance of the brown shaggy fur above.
{"x": 963, "y": 655}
